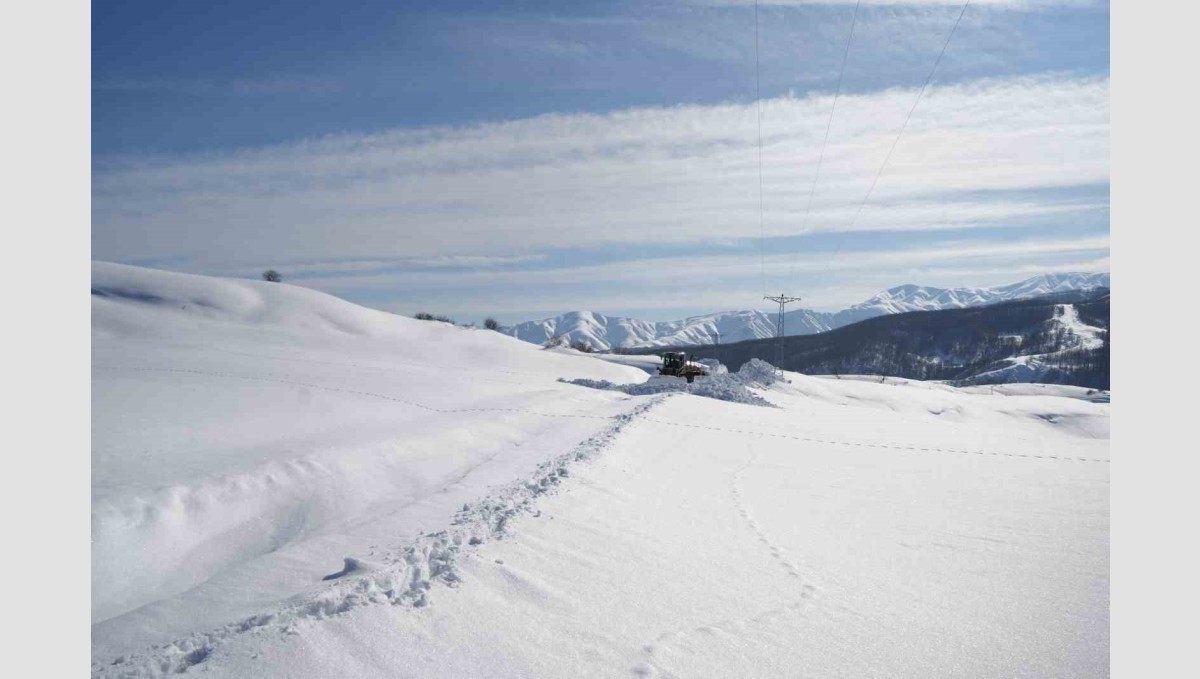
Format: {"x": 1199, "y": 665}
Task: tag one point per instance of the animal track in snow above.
{"x": 651, "y": 665}
{"x": 777, "y": 552}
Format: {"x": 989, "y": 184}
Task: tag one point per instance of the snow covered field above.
{"x": 496, "y": 522}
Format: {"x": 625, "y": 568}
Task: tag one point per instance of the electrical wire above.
{"x": 762, "y": 237}
{"x": 825, "y": 142}
{"x": 903, "y": 127}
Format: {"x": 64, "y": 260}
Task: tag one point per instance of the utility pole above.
{"x": 783, "y": 301}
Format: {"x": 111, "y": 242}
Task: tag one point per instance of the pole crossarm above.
{"x": 782, "y": 300}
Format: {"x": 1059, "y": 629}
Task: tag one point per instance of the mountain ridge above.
{"x": 1059, "y": 338}
{"x": 615, "y": 332}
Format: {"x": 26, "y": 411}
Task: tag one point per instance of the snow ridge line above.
{"x": 855, "y": 444}
{"x": 356, "y": 392}
{"x": 405, "y": 578}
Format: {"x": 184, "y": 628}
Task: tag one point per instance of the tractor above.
{"x": 676, "y": 364}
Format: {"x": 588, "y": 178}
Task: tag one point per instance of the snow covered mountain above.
{"x": 608, "y": 332}
{"x": 920, "y": 298}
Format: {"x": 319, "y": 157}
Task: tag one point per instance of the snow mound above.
{"x": 732, "y": 387}
{"x": 713, "y": 366}
{"x": 757, "y": 372}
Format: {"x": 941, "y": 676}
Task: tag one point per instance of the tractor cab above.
{"x": 672, "y": 362}
{"x": 676, "y": 364}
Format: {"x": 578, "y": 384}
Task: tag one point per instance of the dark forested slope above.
{"x": 1060, "y": 339}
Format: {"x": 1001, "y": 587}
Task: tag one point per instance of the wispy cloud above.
{"x": 887, "y": 3}
{"x": 659, "y": 175}
{"x": 689, "y": 271}
{"x": 355, "y": 267}
{"x": 661, "y": 282}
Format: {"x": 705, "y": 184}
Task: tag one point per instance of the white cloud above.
{"x": 683, "y": 174}
{"x": 717, "y": 281}
{"x": 360, "y": 266}
{"x": 662, "y": 303}
{"x": 886, "y": 3}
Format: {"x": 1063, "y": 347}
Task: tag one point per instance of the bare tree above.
{"x": 426, "y": 316}
{"x": 491, "y": 323}
{"x": 272, "y": 275}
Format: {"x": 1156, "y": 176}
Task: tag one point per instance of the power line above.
{"x": 903, "y": 127}
{"x": 762, "y": 251}
{"x": 929, "y": 78}
{"x": 825, "y": 142}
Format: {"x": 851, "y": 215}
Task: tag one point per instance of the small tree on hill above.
{"x": 272, "y": 276}
{"x": 491, "y": 323}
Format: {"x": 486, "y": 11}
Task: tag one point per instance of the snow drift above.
{"x": 243, "y": 429}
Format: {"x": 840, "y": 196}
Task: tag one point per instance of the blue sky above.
{"x": 521, "y": 159}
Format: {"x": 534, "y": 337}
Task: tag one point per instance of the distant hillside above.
{"x": 917, "y": 298}
{"x": 1058, "y": 339}
{"x": 611, "y": 332}
{"x": 608, "y": 332}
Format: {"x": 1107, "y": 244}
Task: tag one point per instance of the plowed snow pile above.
{"x": 732, "y": 387}
{"x": 288, "y": 485}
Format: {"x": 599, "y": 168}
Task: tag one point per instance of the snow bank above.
{"x": 732, "y": 387}
{"x": 712, "y": 366}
